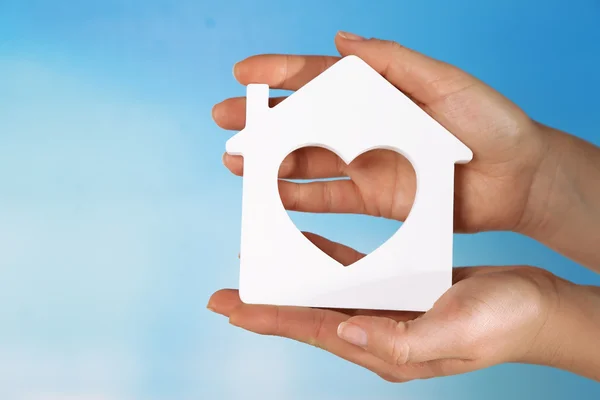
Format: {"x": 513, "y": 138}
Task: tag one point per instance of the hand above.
{"x": 492, "y": 191}
{"x": 491, "y": 315}
{"x": 524, "y": 177}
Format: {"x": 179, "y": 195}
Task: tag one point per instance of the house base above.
{"x": 416, "y": 292}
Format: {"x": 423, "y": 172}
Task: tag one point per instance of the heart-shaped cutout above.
{"x": 361, "y": 204}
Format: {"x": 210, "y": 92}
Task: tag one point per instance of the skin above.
{"x": 525, "y": 177}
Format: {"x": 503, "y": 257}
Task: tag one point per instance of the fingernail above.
{"x": 350, "y": 36}
{"x": 353, "y": 334}
{"x": 214, "y": 113}
{"x": 225, "y": 157}
{"x": 210, "y": 307}
{"x": 234, "y": 70}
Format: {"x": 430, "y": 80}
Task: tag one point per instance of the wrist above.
{"x": 543, "y": 205}
{"x": 568, "y": 338}
{"x": 563, "y": 207}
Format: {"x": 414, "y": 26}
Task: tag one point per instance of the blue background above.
{"x": 118, "y": 220}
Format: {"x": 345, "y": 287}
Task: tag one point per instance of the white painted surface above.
{"x": 348, "y": 109}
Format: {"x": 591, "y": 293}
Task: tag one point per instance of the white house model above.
{"x": 348, "y": 109}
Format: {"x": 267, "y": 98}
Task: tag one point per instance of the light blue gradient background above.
{"x": 117, "y": 219}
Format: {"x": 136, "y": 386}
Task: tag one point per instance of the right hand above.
{"x": 492, "y": 191}
{"x": 490, "y": 316}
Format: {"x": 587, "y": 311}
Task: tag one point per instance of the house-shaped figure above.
{"x": 348, "y": 109}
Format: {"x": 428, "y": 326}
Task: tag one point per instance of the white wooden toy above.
{"x": 348, "y": 109}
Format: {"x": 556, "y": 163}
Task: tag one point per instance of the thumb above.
{"x": 423, "y": 78}
{"x": 424, "y": 339}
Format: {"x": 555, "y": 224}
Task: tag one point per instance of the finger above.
{"x": 343, "y": 254}
{"x": 315, "y": 327}
{"x": 423, "y": 78}
{"x": 287, "y": 72}
{"x": 312, "y": 326}
{"x": 304, "y": 163}
{"x": 230, "y": 114}
{"x": 336, "y": 196}
{"x": 400, "y": 343}
{"x": 224, "y": 301}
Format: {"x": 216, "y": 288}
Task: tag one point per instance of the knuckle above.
{"x": 329, "y": 198}
{"x": 325, "y": 63}
{"x": 302, "y": 161}
{"x": 284, "y": 71}
{"x": 393, "y": 45}
{"x": 318, "y": 323}
{"x": 278, "y": 326}
{"x": 400, "y": 350}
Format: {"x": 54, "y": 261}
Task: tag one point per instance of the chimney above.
{"x": 257, "y": 102}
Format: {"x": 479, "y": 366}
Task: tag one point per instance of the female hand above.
{"x": 491, "y": 315}
{"x": 524, "y": 177}
{"x": 492, "y": 191}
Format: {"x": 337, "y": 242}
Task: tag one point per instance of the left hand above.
{"x": 492, "y": 192}
{"x": 490, "y": 315}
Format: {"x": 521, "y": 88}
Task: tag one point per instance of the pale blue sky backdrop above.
{"x": 118, "y": 220}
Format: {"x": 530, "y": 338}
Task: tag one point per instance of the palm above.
{"x": 472, "y": 326}
{"x": 488, "y": 195}
{"x": 491, "y": 191}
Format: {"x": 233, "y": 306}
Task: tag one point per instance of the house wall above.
{"x": 278, "y": 262}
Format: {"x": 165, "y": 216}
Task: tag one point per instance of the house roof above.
{"x": 350, "y": 80}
